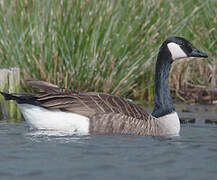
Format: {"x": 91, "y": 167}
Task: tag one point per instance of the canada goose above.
{"x": 99, "y": 113}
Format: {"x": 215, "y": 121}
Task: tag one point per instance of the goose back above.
{"x": 89, "y": 104}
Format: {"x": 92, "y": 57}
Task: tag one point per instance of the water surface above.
{"x": 26, "y": 154}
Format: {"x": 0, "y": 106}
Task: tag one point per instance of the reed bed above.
{"x": 107, "y": 46}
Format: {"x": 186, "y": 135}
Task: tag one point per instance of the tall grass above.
{"x": 108, "y": 46}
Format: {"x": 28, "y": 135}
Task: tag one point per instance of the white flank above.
{"x": 170, "y": 124}
{"x": 41, "y": 118}
{"x": 176, "y": 51}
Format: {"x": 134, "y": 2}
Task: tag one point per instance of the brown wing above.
{"x": 47, "y": 87}
{"x": 87, "y": 104}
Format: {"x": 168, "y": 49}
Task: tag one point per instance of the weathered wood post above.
{"x": 9, "y": 82}
{"x": 4, "y": 79}
{"x": 3, "y": 86}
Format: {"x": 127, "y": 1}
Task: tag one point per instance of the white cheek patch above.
{"x": 176, "y": 51}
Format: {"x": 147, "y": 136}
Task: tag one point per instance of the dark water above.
{"x": 26, "y": 154}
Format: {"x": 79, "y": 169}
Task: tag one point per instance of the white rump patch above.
{"x": 176, "y": 51}
{"x": 42, "y": 118}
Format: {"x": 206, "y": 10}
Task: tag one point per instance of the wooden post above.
{"x": 9, "y": 82}
{"x": 4, "y": 79}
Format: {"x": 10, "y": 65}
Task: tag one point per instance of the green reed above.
{"x": 108, "y": 46}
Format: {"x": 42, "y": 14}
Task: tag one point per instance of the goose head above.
{"x": 172, "y": 49}
{"x": 179, "y": 47}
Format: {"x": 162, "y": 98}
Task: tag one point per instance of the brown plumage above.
{"x": 107, "y": 113}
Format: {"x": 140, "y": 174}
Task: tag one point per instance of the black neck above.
{"x": 162, "y": 100}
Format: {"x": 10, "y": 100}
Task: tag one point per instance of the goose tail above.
{"x": 20, "y": 98}
{"x": 9, "y": 96}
